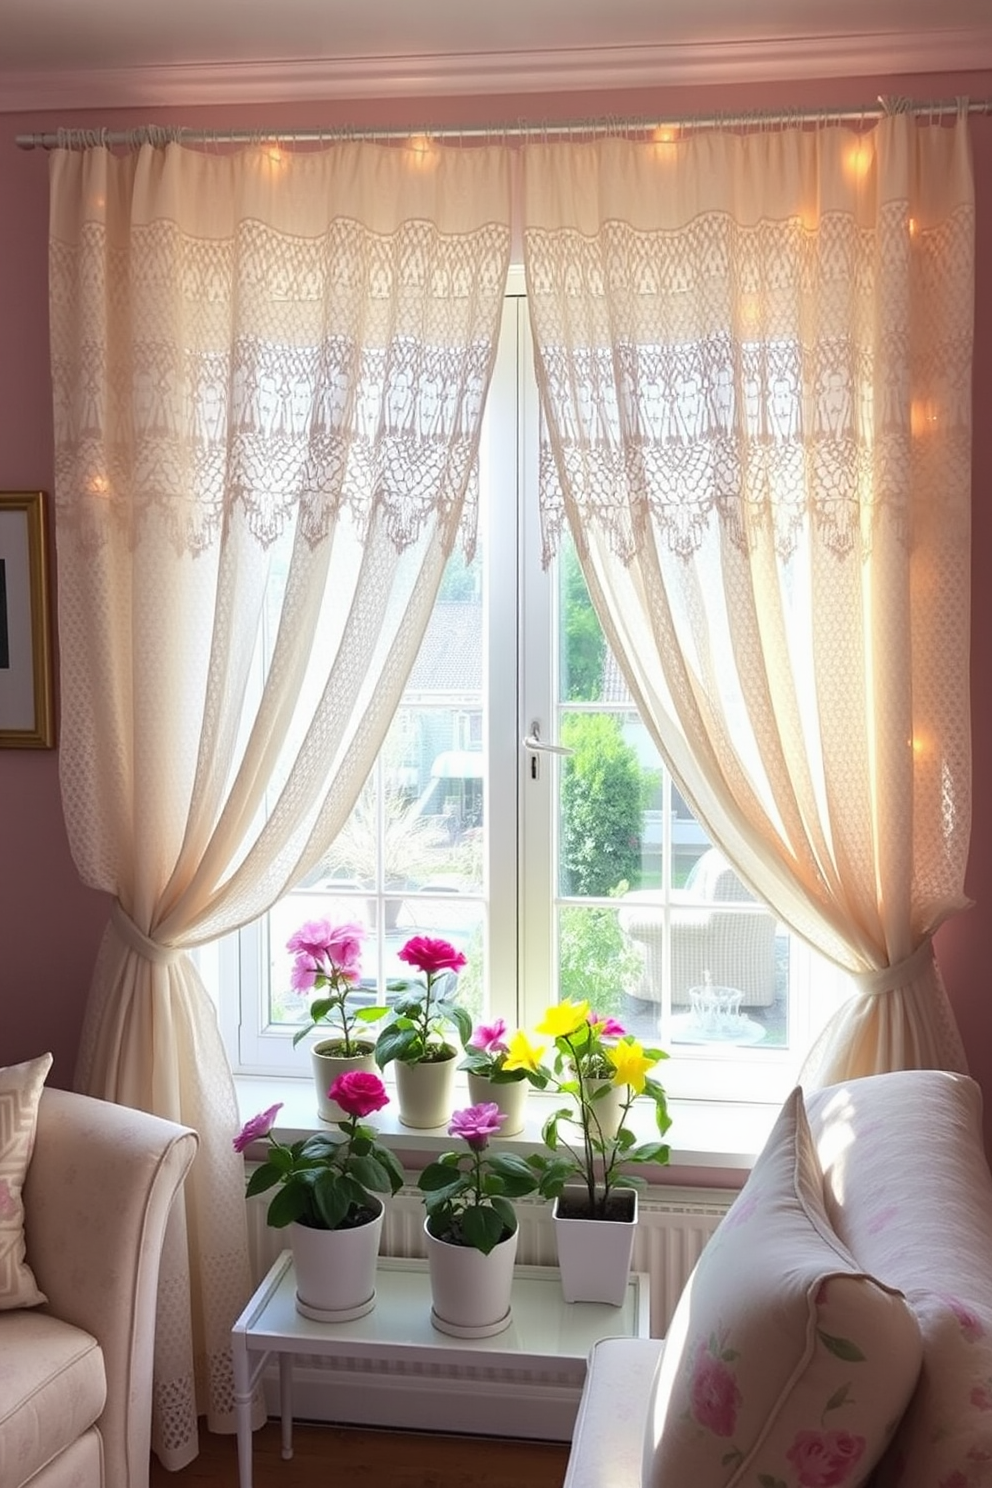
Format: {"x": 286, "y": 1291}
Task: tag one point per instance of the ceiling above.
{"x": 106, "y": 53}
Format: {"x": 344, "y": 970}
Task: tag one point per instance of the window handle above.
{"x": 534, "y": 741}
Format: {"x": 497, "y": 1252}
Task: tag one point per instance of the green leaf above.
{"x": 263, "y": 1178}
{"x": 652, "y": 1152}
{"x": 409, "y": 1004}
{"x": 838, "y": 1398}
{"x": 332, "y": 1199}
{"x": 394, "y": 1042}
{"x": 371, "y": 1014}
{"x": 506, "y": 1213}
{"x": 514, "y": 1171}
{"x": 459, "y": 1016}
{"x": 393, "y": 1167}
{"x": 482, "y": 1227}
{"x": 289, "y": 1203}
{"x": 842, "y": 1347}
{"x": 437, "y": 1176}
{"x": 369, "y": 1173}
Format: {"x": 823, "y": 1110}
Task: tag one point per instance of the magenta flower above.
{"x": 325, "y": 950}
{"x": 430, "y": 955}
{"x": 476, "y": 1124}
{"x": 823, "y": 1459}
{"x": 490, "y": 1038}
{"x": 606, "y": 1027}
{"x": 259, "y": 1126}
{"x": 359, "y": 1093}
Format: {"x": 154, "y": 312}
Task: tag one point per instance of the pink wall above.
{"x": 50, "y": 924}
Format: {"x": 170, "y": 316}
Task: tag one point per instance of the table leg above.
{"x": 285, "y": 1405}
{"x": 242, "y": 1411}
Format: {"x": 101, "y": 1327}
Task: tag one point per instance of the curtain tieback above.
{"x": 138, "y": 941}
{"x": 873, "y": 983}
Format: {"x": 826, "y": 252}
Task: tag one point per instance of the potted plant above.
{"x": 403, "y": 846}
{"x": 327, "y": 962}
{"x": 415, "y": 1036}
{"x": 471, "y": 1226}
{"x": 601, "y": 1070}
{"x": 327, "y": 1196}
{"x": 497, "y": 1073}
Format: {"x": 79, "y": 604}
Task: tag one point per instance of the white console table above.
{"x": 392, "y": 1368}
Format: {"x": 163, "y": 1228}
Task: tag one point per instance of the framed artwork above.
{"x": 26, "y": 711}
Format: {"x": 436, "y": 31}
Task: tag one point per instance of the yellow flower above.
{"x": 631, "y": 1064}
{"x": 564, "y": 1018}
{"x": 522, "y": 1054}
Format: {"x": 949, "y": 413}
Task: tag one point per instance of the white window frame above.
{"x": 521, "y": 902}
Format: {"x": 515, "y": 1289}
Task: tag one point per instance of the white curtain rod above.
{"x": 155, "y": 134}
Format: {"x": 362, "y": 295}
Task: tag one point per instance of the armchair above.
{"x": 76, "y": 1373}
{"x": 735, "y": 944}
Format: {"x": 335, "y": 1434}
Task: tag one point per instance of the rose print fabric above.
{"x": 786, "y": 1365}
{"x": 907, "y": 1186}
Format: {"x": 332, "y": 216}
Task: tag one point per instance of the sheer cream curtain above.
{"x": 754, "y": 359}
{"x": 269, "y": 374}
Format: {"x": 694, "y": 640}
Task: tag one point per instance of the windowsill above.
{"x": 704, "y": 1135}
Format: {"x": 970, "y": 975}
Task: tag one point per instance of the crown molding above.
{"x": 575, "y": 70}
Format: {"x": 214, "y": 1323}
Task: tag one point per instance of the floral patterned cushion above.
{"x": 20, "y": 1092}
{"x": 926, "y": 1226}
{"x": 785, "y": 1366}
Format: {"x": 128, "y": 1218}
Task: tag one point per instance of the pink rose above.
{"x": 981, "y": 1397}
{"x": 969, "y": 1322}
{"x": 824, "y": 1458}
{"x": 429, "y": 955}
{"x": 259, "y": 1126}
{"x": 955, "y": 1479}
{"x": 359, "y": 1093}
{"x": 476, "y": 1124}
{"x": 715, "y": 1396}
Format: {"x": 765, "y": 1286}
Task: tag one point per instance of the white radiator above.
{"x": 674, "y": 1226}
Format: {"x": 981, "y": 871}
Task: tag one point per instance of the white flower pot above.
{"x": 609, "y": 1107}
{"x": 510, "y": 1096}
{"x": 327, "y": 1067}
{"x": 594, "y": 1255}
{"x": 470, "y": 1292}
{"x": 335, "y": 1269}
{"x": 425, "y": 1092}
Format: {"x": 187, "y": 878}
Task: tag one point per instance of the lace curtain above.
{"x": 754, "y": 360}
{"x": 269, "y": 372}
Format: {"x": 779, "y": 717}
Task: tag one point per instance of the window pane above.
{"x": 409, "y": 860}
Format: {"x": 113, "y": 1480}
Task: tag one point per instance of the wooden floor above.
{"x": 324, "y": 1455}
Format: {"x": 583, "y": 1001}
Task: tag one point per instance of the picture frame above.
{"x": 27, "y": 719}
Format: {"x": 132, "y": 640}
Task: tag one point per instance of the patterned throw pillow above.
{"x": 20, "y": 1091}
{"x": 785, "y": 1366}
{"x": 926, "y": 1225}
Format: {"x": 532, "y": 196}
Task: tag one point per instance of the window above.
{"x": 577, "y": 871}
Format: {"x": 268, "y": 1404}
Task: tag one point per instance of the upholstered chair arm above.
{"x": 99, "y": 1188}
{"x": 608, "y": 1441}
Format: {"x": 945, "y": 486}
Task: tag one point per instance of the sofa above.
{"x": 92, "y": 1184}
{"x": 734, "y": 946}
{"x": 837, "y": 1329}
